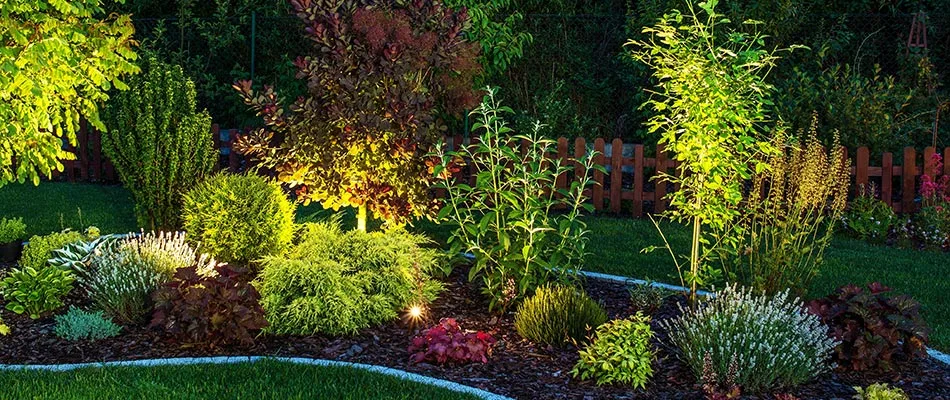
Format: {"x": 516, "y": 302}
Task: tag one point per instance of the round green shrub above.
{"x": 39, "y": 250}
{"x": 336, "y": 282}
{"x": 11, "y": 229}
{"x": 620, "y": 353}
{"x": 238, "y": 218}
{"x": 558, "y": 314}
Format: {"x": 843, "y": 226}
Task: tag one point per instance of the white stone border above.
{"x": 404, "y": 375}
{"x": 944, "y": 358}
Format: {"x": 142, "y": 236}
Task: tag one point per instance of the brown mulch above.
{"x": 517, "y": 368}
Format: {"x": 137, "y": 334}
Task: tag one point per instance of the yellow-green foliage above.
{"x": 880, "y": 391}
{"x": 558, "y": 314}
{"x": 39, "y": 250}
{"x": 159, "y": 144}
{"x": 791, "y": 214}
{"x": 58, "y": 61}
{"x": 238, "y": 218}
{"x": 620, "y": 353}
{"x": 337, "y": 282}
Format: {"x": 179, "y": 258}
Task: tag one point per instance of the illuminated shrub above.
{"x": 361, "y": 135}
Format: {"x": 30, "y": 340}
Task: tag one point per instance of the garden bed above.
{"x": 517, "y": 367}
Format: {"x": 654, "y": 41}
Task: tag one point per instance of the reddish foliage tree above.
{"x": 379, "y": 76}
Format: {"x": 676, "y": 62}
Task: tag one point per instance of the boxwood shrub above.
{"x": 335, "y": 282}
{"x": 238, "y": 218}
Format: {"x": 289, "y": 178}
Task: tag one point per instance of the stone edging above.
{"x": 944, "y": 358}
{"x": 409, "y": 376}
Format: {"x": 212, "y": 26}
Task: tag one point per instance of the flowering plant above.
{"x": 446, "y": 342}
{"x": 935, "y": 191}
{"x": 932, "y": 224}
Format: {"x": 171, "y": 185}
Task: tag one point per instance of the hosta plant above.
{"x": 75, "y": 257}
{"x": 507, "y": 220}
{"x": 35, "y": 291}
{"x": 77, "y": 324}
{"x": 447, "y": 343}
{"x": 872, "y": 326}
{"x": 39, "y": 250}
{"x": 620, "y": 353}
{"x": 209, "y": 310}
{"x": 379, "y": 76}
{"x": 558, "y": 314}
{"x": 772, "y": 340}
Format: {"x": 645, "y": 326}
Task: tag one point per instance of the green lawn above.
{"x": 261, "y": 380}
{"x": 615, "y": 246}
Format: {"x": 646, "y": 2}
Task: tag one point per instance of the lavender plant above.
{"x": 773, "y": 342}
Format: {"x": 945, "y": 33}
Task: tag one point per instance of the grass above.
{"x": 52, "y": 207}
{"x": 615, "y": 246}
{"x": 261, "y": 380}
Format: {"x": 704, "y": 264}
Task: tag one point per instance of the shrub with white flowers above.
{"x": 774, "y": 342}
{"x": 122, "y": 277}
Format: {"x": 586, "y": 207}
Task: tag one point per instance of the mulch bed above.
{"x": 517, "y": 368}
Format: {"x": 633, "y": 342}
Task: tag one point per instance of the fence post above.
{"x": 659, "y": 191}
{"x": 598, "y": 175}
{"x": 561, "y": 181}
{"x": 861, "y": 170}
{"x": 638, "y": 181}
{"x": 616, "y": 174}
{"x": 946, "y": 161}
{"x": 909, "y": 178}
{"x": 887, "y": 179}
{"x": 928, "y": 166}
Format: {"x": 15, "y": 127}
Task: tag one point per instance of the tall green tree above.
{"x": 711, "y": 111}
{"x": 160, "y": 145}
{"x": 58, "y": 60}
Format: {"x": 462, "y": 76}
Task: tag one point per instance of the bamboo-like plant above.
{"x": 710, "y": 106}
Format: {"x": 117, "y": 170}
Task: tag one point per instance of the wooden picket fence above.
{"x": 627, "y": 188}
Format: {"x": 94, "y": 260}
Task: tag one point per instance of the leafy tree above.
{"x": 378, "y": 76}
{"x": 159, "y": 144}
{"x": 57, "y": 61}
{"x": 499, "y": 28}
{"x": 710, "y": 108}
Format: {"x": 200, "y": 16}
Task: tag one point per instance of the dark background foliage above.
{"x": 575, "y": 76}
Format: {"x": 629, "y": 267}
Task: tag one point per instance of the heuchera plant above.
{"x": 212, "y": 309}
{"x": 872, "y": 326}
{"x": 446, "y": 342}
{"x": 379, "y": 75}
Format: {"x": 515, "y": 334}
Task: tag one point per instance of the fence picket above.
{"x": 91, "y": 165}
{"x": 598, "y": 189}
{"x": 659, "y": 191}
{"x": 887, "y": 179}
{"x": 909, "y": 180}
{"x": 616, "y": 174}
